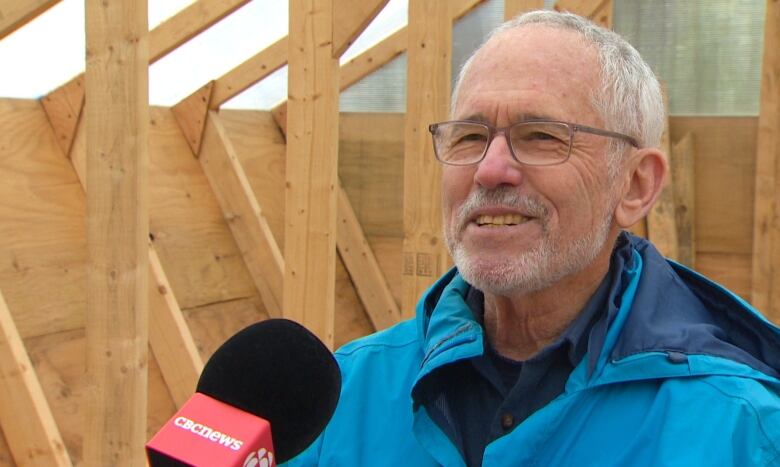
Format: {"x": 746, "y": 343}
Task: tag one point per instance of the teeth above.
{"x": 506, "y": 219}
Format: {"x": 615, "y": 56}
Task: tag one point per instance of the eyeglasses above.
{"x": 538, "y": 142}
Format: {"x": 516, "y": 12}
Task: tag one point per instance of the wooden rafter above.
{"x": 187, "y": 24}
{"x": 351, "y": 17}
{"x": 25, "y": 416}
{"x": 191, "y": 115}
{"x": 15, "y": 13}
{"x": 274, "y": 57}
{"x": 250, "y": 72}
{"x": 767, "y": 196}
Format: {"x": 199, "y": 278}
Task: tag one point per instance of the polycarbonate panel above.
{"x": 707, "y": 51}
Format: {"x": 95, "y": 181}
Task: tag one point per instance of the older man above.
{"x": 558, "y": 339}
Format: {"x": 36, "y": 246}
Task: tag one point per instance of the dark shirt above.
{"x": 481, "y": 399}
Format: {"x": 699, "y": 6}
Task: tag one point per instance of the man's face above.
{"x": 513, "y": 228}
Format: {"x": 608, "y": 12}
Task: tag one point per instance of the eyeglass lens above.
{"x": 538, "y": 143}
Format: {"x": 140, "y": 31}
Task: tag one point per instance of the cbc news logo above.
{"x": 260, "y": 458}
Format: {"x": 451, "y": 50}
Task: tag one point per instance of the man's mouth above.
{"x": 500, "y": 220}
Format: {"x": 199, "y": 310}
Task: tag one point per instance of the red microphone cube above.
{"x": 207, "y": 432}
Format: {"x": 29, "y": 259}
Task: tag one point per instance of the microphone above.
{"x": 274, "y": 373}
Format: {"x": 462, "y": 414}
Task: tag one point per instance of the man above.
{"x": 558, "y": 339}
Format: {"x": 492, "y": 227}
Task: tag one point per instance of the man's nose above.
{"x": 498, "y": 166}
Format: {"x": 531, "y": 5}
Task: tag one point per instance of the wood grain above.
{"x": 117, "y": 127}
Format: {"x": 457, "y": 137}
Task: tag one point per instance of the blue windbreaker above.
{"x": 688, "y": 374}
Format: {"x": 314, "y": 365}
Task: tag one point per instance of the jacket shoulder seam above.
{"x": 770, "y": 442}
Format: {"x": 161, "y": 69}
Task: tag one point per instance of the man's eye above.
{"x": 471, "y": 137}
{"x": 540, "y": 136}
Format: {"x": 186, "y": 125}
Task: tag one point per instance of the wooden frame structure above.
{"x": 299, "y": 251}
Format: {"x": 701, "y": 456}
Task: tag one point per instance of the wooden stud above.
{"x": 250, "y": 72}
{"x": 15, "y": 13}
{"x": 117, "y": 118}
{"x": 170, "y": 339}
{"x": 764, "y": 293}
{"x": 376, "y": 57}
{"x": 661, "y": 221}
{"x": 312, "y": 165}
{"x": 604, "y": 14}
{"x": 27, "y": 420}
{"x": 187, "y": 24}
{"x": 363, "y": 268}
{"x": 191, "y": 115}
{"x": 243, "y": 214}
{"x": 513, "y": 8}
{"x": 682, "y": 168}
{"x": 427, "y": 100}
{"x": 63, "y": 109}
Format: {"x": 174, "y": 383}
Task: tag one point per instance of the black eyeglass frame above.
{"x": 493, "y": 131}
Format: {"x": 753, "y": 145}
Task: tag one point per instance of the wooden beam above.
{"x": 682, "y": 167}
{"x": 514, "y": 8}
{"x": 363, "y": 268}
{"x": 351, "y": 17}
{"x": 376, "y": 57}
{"x": 764, "y": 291}
{"x": 427, "y": 100}
{"x": 25, "y": 416}
{"x": 604, "y": 14}
{"x": 191, "y": 114}
{"x": 15, "y": 13}
{"x": 63, "y": 109}
{"x": 243, "y": 214}
{"x": 170, "y": 338}
{"x": 187, "y": 24}
{"x": 661, "y": 221}
{"x": 250, "y": 72}
{"x": 172, "y": 343}
{"x": 117, "y": 113}
{"x": 312, "y": 168}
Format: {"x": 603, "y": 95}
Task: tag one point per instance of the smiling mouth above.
{"x": 500, "y": 221}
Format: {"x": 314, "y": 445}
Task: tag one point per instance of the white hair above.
{"x": 629, "y": 100}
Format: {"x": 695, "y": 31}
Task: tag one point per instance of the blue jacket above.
{"x": 688, "y": 374}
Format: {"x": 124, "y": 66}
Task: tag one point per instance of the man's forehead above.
{"x": 532, "y": 59}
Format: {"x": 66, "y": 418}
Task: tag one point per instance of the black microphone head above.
{"x": 280, "y": 371}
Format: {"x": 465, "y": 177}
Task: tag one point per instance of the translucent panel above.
{"x": 45, "y": 53}
{"x": 708, "y": 51}
{"x": 470, "y": 32}
{"x": 217, "y": 50}
{"x": 382, "y": 91}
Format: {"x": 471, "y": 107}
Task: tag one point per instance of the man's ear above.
{"x": 645, "y": 173}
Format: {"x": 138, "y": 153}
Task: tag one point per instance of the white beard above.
{"x": 547, "y": 263}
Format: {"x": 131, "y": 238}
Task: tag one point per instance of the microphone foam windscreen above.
{"x": 280, "y": 371}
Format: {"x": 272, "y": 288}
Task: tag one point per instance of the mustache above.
{"x": 501, "y": 196}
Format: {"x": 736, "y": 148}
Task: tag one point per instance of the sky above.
{"x": 49, "y": 51}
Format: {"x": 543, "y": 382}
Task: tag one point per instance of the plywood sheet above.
{"x": 59, "y": 360}
{"x": 193, "y": 241}
{"x": 371, "y": 166}
{"x": 724, "y": 167}
{"x": 213, "y": 324}
{"x": 42, "y": 209}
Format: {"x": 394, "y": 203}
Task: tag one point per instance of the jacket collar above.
{"x": 662, "y": 311}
